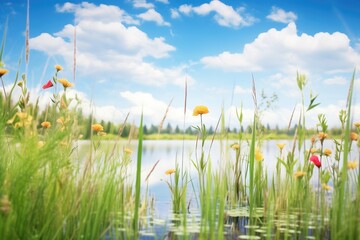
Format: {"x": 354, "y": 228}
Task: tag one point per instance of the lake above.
{"x": 172, "y": 152}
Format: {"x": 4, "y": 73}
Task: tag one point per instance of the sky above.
{"x": 137, "y": 56}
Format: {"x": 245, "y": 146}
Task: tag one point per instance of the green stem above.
{"x": 138, "y": 179}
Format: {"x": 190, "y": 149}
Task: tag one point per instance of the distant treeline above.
{"x": 127, "y": 129}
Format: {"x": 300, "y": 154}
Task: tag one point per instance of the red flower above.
{"x": 49, "y": 84}
{"x": 315, "y": 160}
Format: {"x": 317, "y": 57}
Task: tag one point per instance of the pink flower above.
{"x": 315, "y": 160}
{"x": 49, "y": 84}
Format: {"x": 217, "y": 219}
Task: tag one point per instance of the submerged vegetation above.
{"x": 49, "y": 189}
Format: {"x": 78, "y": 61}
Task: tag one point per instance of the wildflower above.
{"x": 5, "y": 205}
{"x": 327, "y": 152}
{"x": 313, "y": 139}
{"x": 128, "y": 151}
{"x": 97, "y": 127}
{"x": 258, "y": 155}
{"x": 280, "y": 146}
{"x": 354, "y": 136}
{"x": 46, "y": 124}
{"x": 322, "y": 136}
{"x": 40, "y": 144}
{"x": 169, "y": 171}
{"x": 352, "y": 164}
{"x": 200, "y": 110}
{"x": 357, "y": 124}
{"x": 25, "y": 120}
{"x": 49, "y": 84}
{"x": 65, "y": 83}
{"x": 58, "y": 67}
{"x": 235, "y": 146}
{"x": 315, "y": 160}
{"x": 61, "y": 120}
{"x": 326, "y": 187}
{"x": 3, "y": 71}
{"x": 299, "y": 174}
{"x": 313, "y": 150}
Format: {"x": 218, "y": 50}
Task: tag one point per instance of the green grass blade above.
{"x": 138, "y": 179}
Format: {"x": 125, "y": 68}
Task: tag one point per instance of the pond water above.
{"x": 169, "y": 153}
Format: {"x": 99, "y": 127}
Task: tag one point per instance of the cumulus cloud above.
{"x": 224, "y": 15}
{"x": 142, "y": 4}
{"x": 279, "y": 15}
{"x": 286, "y": 51}
{"x": 107, "y": 48}
{"x": 152, "y": 109}
{"x": 281, "y": 116}
{"x": 174, "y": 13}
{"x": 153, "y": 16}
{"x": 88, "y": 11}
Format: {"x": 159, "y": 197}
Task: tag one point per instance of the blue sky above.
{"x": 134, "y": 55}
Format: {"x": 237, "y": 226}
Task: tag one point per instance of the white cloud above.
{"x": 152, "y": 109}
{"x": 142, "y": 4}
{"x": 286, "y": 51}
{"x": 88, "y": 11}
{"x": 281, "y": 116}
{"x": 225, "y": 15}
{"x": 279, "y": 15}
{"x": 174, "y": 13}
{"x": 336, "y": 80}
{"x": 153, "y": 16}
{"x": 106, "y": 48}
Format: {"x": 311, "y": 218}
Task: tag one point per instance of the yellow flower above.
{"x": 313, "y": 150}
{"x": 46, "y": 124}
{"x": 357, "y": 124}
{"x": 58, "y": 67}
{"x": 322, "y": 135}
{"x": 128, "y": 151}
{"x": 280, "y": 145}
{"x": 326, "y": 187}
{"x": 235, "y": 146}
{"x": 3, "y": 71}
{"x": 200, "y": 110}
{"x": 97, "y": 127}
{"x": 258, "y": 155}
{"x": 25, "y": 120}
{"x": 354, "y": 136}
{"x": 327, "y": 152}
{"x": 352, "y": 164}
{"x": 60, "y": 120}
{"x": 169, "y": 171}
{"x": 299, "y": 174}
{"x": 65, "y": 82}
{"x": 40, "y": 144}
